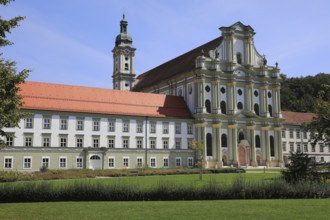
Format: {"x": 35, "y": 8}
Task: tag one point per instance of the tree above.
{"x": 11, "y": 101}
{"x": 301, "y": 168}
{"x": 320, "y": 126}
{"x": 199, "y": 156}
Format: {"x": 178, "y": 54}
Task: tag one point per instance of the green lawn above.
{"x": 223, "y": 209}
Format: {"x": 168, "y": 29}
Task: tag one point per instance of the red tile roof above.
{"x": 56, "y": 97}
{"x": 297, "y": 117}
{"x": 181, "y": 64}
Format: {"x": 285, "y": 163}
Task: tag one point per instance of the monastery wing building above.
{"x": 222, "y": 94}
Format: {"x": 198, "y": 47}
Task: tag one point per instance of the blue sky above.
{"x": 70, "y": 41}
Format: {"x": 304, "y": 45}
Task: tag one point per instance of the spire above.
{"x": 123, "y": 36}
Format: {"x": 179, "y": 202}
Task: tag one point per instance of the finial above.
{"x": 276, "y": 64}
{"x": 123, "y": 16}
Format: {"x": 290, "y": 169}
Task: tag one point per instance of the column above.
{"x": 263, "y": 101}
{"x": 278, "y": 146}
{"x": 216, "y": 145}
{"x": 247, "y": 59}
{"x": 216, "y": 97}
{"x": 231, "y": 97}
{"x": 251, "y": 132}
{"x": 232, "y": 144}
{"x": 203, "y": 95}
{"x": 276, "y": 101}
{"x": 248, "y": 96}
{"x": 265, "y": 144}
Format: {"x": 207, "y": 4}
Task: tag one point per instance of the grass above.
{"x": 228, "y": 209}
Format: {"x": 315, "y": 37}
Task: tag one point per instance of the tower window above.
{"x": 208, "y": 106}
{"x": 256, "y": 109}
{"x": 240, "y": 105}
{"x": 239, "y": 58}
{"x": 239, "y": 92}
{"x": 208, "y": 89}
{"x": 126, "y": 58}
{"x": 126, "y": 66}
{"x": 223, "y": 107}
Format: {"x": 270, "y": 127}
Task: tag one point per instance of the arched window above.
{"x": 256, "y": 109}
{"x": 208, "y": 106}
{"x": 223, "y": 107}
{"x": 95, "y": 157}
{"x": 208, "y": 144}
{"x": 272, "y": 149}
{"x": 239, "y": 58}
{"x": 126, "y": 66}
{"x": 240, "y": 136}
{"x": 240, "y": 106}
{"x": 270, "y": 109}
{"x": 223, "y": 140}
{"x": 257, "y": 139}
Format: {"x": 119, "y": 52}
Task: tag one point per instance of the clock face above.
{"x": 126, "y": 52}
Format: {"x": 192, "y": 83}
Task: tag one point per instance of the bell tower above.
{"x": 123, "y": 76}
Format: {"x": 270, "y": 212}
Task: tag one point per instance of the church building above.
{"x": 223, "y": 94}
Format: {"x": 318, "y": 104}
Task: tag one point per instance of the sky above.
{"x": 71, "y": 41}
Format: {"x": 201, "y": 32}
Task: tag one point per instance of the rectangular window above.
{"x": 305, "y": 135}
{"x": 177, "y": 128}
{"x": 298, "y": 147}
{"x": 139, "y": 127}
{"x": 165, "y": 162}
{"x": 305, "y": 147}
{"x": 46, "y": 141}
{"x": 283, "y": 133}
{"x": 63, "y": 141}
{"x": 178, "y": 161}
{"x": 165, "y": 144}
{"x": 112, "y": 126}
{"x": 28, "y": 141}
{"x": 139, "y": 162}
{"x": 125, "y": 143}
{"x": 27, "y": 163}
{"x": 291, "y": 133}
{"x": 125, "y": 162}
{"x": 321, "y": 148}
{"x": 291, "y": 147}
{"x": 125, "y": 126}
{"x": 298, "y": 134}
{"x": 64, "y": 124}
{"x": 153, "y": 143}
{"x": 96, "y": 142}
{"x": 165, "y": 128}
{"x": 190, "y": 143}
{"x": 46, "y": 124}
{"x": 8, "y": 162}
{"x": 96, "y": 124}
{"x": 111, "y": 142}
{"x": 62, "y": 162}
{"x": 80, "y": 142}
{"x": 139, "y": 143}
{"x": 190, "y": 162}
{"x": 111, "y": 162}
{"x": 45, "y": 162}
{"x": 29, "y": 123}
{"x": 153, "y": 162}
{"x": 313, "y": 148}
{"x": 284, "y": 146}
{"x": 80, "y": 124}
{"x": 10, "y": 141}
{"x": 189, "y": 128}
{"x": 177, "y": 143}
{"x": 152, "y": 127}
{"x": 79, "y": 162}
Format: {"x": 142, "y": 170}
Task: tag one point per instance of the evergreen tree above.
{"x": 10, "y": 80}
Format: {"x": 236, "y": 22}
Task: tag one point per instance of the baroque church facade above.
{"x": 222, "y": 94}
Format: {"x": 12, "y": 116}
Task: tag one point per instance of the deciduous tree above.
{"x": 10, "y": 100}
